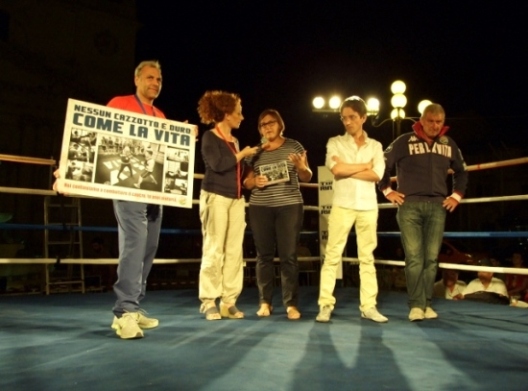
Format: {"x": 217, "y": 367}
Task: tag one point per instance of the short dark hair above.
{"x": 355, "y": 103}
{"x": 275, "y": 114}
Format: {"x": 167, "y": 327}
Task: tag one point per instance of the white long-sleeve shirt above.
{"x": 352, "y": 193}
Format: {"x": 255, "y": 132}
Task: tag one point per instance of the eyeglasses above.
{"x": 264, "y": 124}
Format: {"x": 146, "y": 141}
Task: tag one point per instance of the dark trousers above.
{"x": 277, "y": 228}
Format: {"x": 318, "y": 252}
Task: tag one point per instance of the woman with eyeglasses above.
{"x": 276, "y": 210}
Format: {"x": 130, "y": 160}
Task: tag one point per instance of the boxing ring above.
{"x": 64, "y": 341}
{"x": 309, "y": 209}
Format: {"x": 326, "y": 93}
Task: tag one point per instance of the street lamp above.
{"x": 334, "y": 103}
{"x": 373, "y": 107}
{"x": 398, "y": 102}
{"x": 423, "y": 104}
{"x": 320, "y": 104}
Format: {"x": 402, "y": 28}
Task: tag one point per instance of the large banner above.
{"x": 117, "y": 154}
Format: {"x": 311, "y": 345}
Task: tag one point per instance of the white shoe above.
{"x": 374, "y": 315}
{"x": 142, "y": 321}
{"x": 416, "y": 313}
{"x": 430, "y": 313}
{"x": 127, "y": 326}
{"x": 324, "y": 314}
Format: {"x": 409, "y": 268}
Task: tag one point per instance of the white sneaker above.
{"x": 127, "y": 326}
{"x": 416, "y": 313}
{"x": 324, "y": 314}
{"x": 142, "y": 321}
{"x": 430, "y": 313}
{"x": 374, "y": 315}
{"x": 146, "y": 323}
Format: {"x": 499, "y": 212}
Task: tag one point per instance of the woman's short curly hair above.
{"x": 214, "y": 105}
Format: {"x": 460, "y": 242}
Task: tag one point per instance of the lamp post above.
{"x": 398, "y": 102}
{"x": 320, "y": 104}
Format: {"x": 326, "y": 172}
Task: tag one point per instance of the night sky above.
{"x": 469, "y": 57}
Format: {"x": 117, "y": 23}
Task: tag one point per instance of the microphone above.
{"x": 263, "y": 141}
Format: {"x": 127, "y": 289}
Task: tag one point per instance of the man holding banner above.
{"x": 137, "y": 202}
{"x": 139, "y": 224}
{"x": 356, "y": 162}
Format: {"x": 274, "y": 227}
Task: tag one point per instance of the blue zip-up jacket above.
{"x": 421, "y": 169}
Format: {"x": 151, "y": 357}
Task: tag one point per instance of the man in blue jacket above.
{"x": 422, "y": 160}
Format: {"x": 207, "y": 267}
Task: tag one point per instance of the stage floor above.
{"x": 64, "y": 342}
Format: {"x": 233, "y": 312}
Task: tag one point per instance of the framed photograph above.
{"x": 275, "y": 172}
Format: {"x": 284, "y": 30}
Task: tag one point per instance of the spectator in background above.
{"x": 517, "y": 284}
{"x": 98, "y": 248}
{"x": 449, "y": 287}
{"x": 485, "y": 282}
{"x": 496, "y": 263}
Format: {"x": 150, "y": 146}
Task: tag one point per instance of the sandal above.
{"x": 265, "y": 310}
{"x": 293, "y": 313}
{"x": 230, "y": 312}
{"x": 210, "y": 311}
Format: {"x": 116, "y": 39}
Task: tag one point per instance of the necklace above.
{"x": 143, "y": 107}
{"x": 233, "y": 149}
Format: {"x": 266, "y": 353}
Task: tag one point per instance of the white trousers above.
{"x": 223, "y": 225}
